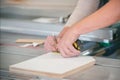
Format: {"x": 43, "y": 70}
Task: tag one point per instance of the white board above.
{"x": 53, "y": 65}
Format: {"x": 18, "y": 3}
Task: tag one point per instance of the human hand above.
{"x": 65, "y": 44}
{"x": 50, "y": 43}
{"x": 62, "y": 33}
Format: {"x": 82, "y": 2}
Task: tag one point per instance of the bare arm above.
{"x": 107, "y": 15}
{"x": 83, "y": 8}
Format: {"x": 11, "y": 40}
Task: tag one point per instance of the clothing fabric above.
{"x": 83, "y": 9}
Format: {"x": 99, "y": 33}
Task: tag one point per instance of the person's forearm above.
{"x": 107, "y": 15}
{"x": 83, "y": 8}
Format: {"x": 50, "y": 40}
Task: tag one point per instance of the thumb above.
{"x": 62, "y": 33}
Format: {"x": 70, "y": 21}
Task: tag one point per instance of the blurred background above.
{"x": 36, "y": 19}
{"x": 37, "y": 8}
{"x": 17, "y": 15}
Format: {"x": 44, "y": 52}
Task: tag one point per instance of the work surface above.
{"x": 11, "y": 53}
{"x": 53, "y": 65}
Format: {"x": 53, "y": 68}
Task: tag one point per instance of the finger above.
{"x": 48, "y": 46}
{"x": 73, "y": 50}
{"x": 68, "y": 52}
{"x": 52, "y": 47}
{"x": 63, "y": 53}
{"x": 51, "y": 40}
{"x": 60, "y": 49}
{"x": 58, "y": 39}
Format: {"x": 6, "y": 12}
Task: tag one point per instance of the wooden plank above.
{"x": 53, "y": 65}
{"x": 40, "y": 41}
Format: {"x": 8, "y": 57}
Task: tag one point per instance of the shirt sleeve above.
{"x": 83, "y": 9}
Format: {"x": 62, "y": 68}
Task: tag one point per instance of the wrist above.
{"x": 75, "y": 31}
